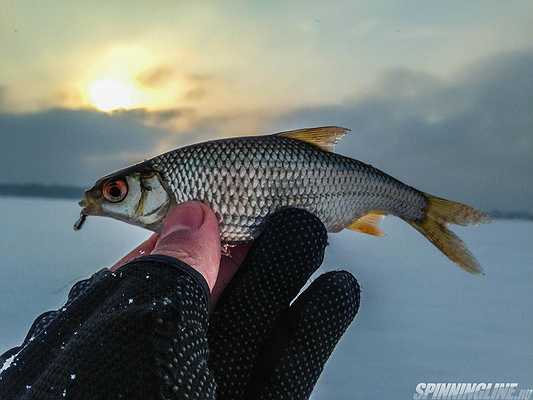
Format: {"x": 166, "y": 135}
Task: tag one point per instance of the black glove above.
{"x": 141, "y": 333}
{"x": 261, "y": 346}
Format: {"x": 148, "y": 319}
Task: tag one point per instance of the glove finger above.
{"x": 305, "y": 337}
{"x": 278, "y": 265}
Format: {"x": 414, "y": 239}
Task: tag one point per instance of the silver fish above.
{"x": 247, "y": 178}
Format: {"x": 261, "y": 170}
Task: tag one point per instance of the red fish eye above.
{"x": 115, "y": 191}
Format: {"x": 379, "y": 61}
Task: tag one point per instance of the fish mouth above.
{"x": 88, "y": 207}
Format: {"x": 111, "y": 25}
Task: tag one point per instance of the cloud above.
{"x": 3, "y": 91}
{"x": 71, "y": 147}
{"x": 185, "y": 88}
{"x": 469, "y": 138}
{"x": 195, "y": 94}
{"x": 156, "y": 77}
{"x": 201, "y": 86}
{"x": 163, "y": 75}
{"x": 75, "y": 147}
{"x": 161, "y": 118}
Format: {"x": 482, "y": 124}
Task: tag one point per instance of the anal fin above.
{"x": 368, "y": 224}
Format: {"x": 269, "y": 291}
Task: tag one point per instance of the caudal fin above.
{"x": 439, "y": 213}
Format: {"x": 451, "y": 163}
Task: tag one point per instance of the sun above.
{"x": 112, "y": 94}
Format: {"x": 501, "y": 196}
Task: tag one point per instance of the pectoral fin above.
{"x": 368, "y": 224}
{"x": 325, "y": 137}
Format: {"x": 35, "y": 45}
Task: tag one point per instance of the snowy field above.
{"x": 421, "y": 319}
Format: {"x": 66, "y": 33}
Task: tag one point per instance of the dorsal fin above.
{"x": 325, "y": 137}
{"x": 368, "y": 223}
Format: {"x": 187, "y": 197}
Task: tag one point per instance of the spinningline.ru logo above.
{"x": 466, "y": 391}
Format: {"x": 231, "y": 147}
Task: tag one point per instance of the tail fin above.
{"x": 439, "y": 213}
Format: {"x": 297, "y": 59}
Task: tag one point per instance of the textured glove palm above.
{"x": 261, "y": 345}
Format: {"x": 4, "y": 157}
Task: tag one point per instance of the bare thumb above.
{"x": 190, "y": 233}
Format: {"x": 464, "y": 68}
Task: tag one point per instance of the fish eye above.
{"x": 115, "y": 190}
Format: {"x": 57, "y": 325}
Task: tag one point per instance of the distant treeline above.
{"x": 496, "y": 214}
{"x": 73, "y": 192}
{"x": 40, "y": 190}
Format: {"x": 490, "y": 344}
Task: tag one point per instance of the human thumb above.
{"x": 190, "y": 233}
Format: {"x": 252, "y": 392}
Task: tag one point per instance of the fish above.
{"x": 245, "y": 179}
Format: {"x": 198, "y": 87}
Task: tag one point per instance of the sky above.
{"x": 438, "y": 94}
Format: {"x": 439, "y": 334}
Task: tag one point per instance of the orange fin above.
{"x": 368, "y": 224}
{"x": 441, "y": 212}
{"x": 325, "y": 137}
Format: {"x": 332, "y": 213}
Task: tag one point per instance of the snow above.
{"x": 7, "y": 363}
{"x": 421, "y": 319}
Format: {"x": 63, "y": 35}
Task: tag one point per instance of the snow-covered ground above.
{"x": 421, "y": 320}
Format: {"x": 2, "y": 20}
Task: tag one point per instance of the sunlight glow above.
{"x": 113, "y": 94}
{"x": 133, "y": 77}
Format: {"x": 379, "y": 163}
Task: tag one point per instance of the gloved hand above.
{"x": 261, "y": 347}
{"x": 262, "y": 344}
{"x": 141, "y": 330}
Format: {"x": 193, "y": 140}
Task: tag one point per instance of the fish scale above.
{"x": 246, "y": 179}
